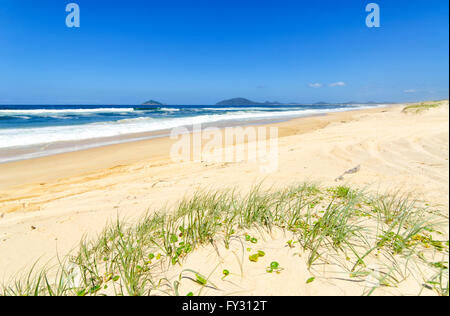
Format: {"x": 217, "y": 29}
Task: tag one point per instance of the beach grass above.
{"x": 418, "y": 108}
{"x": 398, "y": 233}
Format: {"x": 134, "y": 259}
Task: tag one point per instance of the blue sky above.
{"x": 201, "y": 52}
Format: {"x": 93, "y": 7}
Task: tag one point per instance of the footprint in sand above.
{"x": 351, "y": 171}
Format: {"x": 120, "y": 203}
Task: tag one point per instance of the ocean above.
{"x": 39, "y": 130}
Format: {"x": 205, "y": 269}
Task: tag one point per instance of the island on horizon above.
{"x": 244, "y": 102}
{"x": 247, "y": 102}
{"x": 152, "y": 102}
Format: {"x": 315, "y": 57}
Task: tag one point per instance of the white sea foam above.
{"x": 255, "y": 108}
{"x": 169, "y": 109}
{"x": 64, "y": 111}
{"x": 18, "y": 137}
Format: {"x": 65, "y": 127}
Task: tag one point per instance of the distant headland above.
{"x": 152, "y": 102}
{"x": 247, "y": 102}
{"x": 244, "y": 102}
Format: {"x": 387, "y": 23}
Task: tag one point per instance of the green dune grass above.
{"x": 417, "y": 108}
{"x": 129, "y": 259}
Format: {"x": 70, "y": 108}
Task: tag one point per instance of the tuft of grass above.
{"x": 439, "y": 282}
{"x": 133, "y": 259}
{"x": 341, "y": 192}
{"x": 417, "y": 108}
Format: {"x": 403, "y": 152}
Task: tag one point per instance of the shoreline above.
{"x": 154, "y": 149}
{"x": 14, "y": 154}
{"x": 26, "y": 153}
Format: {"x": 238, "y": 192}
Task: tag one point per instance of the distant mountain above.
{"x": 238, "y": 102}
{"x": 152, "y": 102}
{"x": 273, "y": 103}
{"x": 387, "y": 102}
{"x": 321, "y": 103}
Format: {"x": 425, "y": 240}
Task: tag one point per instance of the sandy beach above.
{"x": 47, "y": 205}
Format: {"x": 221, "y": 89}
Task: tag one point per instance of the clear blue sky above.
{"x": 200, "y": 52}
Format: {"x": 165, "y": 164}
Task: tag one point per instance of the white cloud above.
{"x": 409, "y": 91}
{"x": 337, "y": 84}
{"x": 315, "y": 85}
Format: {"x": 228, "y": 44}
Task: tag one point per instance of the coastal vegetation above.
{"x": 341, "y": 226}
{"x": 424, "y": 106}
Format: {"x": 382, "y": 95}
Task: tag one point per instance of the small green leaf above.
{"x": 173, "y": 238}
{"x": 190, "y": 294}
{"x": 95, "y": 289}
{"x": 254, "y": 258}
{"x": 274, "y": 265}
{"x": 310, "y": 280}
{"x": 201, "y": 280}
{"x": 261, "y": 253}
{"x": 81, "y": 293}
